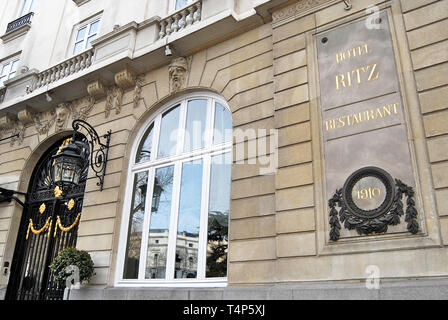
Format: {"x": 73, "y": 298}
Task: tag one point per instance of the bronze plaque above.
{"x": 363, "y": 122}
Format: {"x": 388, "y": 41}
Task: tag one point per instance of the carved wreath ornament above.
{"x": 370, "y": 202}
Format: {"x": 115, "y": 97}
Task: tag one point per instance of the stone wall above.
{"x": 278, "y": 220}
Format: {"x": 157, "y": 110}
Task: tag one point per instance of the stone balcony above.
{"x": 134, "y": 46}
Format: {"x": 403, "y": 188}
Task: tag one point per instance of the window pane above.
{"x": 89, "y": 41}
{"x": 78, "y": 47}
{"x": 94, "y": 27}
{"x": 27, "y": 6}
{"x": 135, "y": 226}
{"x": 14, "y": 66}
{"x": 5, "y": 69}
{"x": 218, "y": 216}
{"x": 159, "y": 223}
{"x": 181, "y": 3}
{"x": 195, "y": 127}
{"x": 169, "y": 133}
{"x": 1, "y": 80}
{"x": 144, "y": 150}
{"x": 223, "y": 125}
{"x": 186, "y": 263}
{"x": 81, "y": 34}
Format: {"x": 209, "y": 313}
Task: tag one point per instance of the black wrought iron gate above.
{"x": 49, "y": 224}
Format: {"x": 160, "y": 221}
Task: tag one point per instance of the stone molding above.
{"x": 298, "y": 9}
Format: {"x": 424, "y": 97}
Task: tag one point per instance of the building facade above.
{"x": 269, "y": 149}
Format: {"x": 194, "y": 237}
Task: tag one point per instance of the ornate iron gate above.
{"x": 49, "y": 224}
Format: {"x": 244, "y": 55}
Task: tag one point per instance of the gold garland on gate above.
{"x": 65, "y": 229}
{"x": 48, "y": 224}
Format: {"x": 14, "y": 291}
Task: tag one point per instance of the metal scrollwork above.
{"x": 378, "y": 219}
{"x": 98, "y": 157}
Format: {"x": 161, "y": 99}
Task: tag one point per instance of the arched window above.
{"x": 178, "y": 196}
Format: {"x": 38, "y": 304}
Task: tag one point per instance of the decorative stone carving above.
{"x": 18, "y": 133}
{"x": 114, "y": 99}
{"x": 97, "y": 89}
{"x": 41, "y": 126}
{"x": 292, "y": 10}
{"x": 63, "y": 111}
{"x": 137, "y": 90}
{"x": 178, "y": 72}
{"x": 82, "y": 112}
{"x": 125, "y": 79}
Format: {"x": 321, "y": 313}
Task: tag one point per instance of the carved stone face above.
{"x": 178, "y": 72}
{"x": 62, "y": 113}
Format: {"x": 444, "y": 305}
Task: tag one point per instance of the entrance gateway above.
{"x": 49, "y": 224}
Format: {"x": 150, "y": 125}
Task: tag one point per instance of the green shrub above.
{"x": 72, "y": 257}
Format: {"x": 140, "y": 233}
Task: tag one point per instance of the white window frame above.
{"x": 85, "y": 24}
{"x": 9, "y": 61}
{"x": 177, "y": 160}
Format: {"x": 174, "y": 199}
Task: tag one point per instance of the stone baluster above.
{"x": 197, "y": 17}
{"x": 89, "y": 58}
{"x": 190, "y": 16}
{"x": 77, "y": 63}
{"x": 83, "y": 58}
{"x": 183, "y": 21}
{"x": 168, "y": 26}
{"x": 176, "y": 22}
{"x": 162, "y": 29}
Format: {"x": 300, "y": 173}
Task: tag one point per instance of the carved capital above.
{"x": 125, "y": 79}
{"x": 97, "y": 89}
{"x": 26, "y": 115}
{"x": 7, "y": 121}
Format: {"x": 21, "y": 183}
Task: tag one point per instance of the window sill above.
{"x": 212, "y": 283}
{"x": 16, "y": 33}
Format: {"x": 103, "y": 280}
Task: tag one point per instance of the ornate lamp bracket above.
{"x": 98, "y": 150}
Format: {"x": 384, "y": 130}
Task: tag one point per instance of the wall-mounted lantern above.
{"x": 73, "y": 157}
{"x": 69, "y": 164}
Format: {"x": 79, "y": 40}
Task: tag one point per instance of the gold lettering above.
{"x": 369, "y": 193}
{"x": 358, "y": 75}
{"x": 366, "y": 115}
{"x": 371, "y": 73}
{"x": 386, "y": 109}
{"x": 378, "y": 113}
{"x": 395, "y": 107}
{"x": 340, "y": 79}
{"x": 352, "y": 53}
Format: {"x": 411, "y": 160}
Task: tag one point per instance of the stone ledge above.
{"x": 427, "y": 289}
